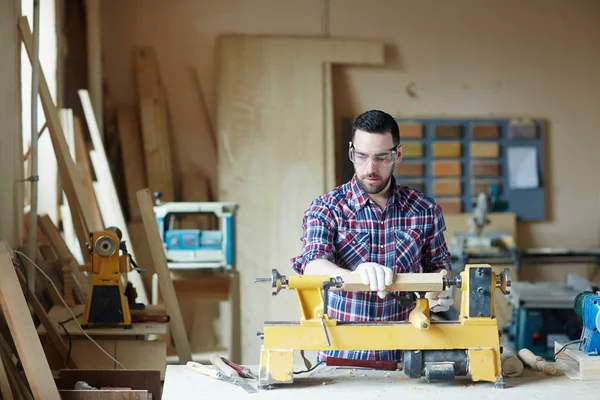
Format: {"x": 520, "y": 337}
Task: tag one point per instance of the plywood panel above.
{"x": 270, "y": 129}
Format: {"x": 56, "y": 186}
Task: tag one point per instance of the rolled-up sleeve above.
{"x": 436, "y": 255}
{"x": 318, "y": 227}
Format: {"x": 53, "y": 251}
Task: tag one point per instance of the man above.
{"x": 373, "y": 227}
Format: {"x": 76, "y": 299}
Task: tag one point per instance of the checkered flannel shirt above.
{"x": 346, "y": 228}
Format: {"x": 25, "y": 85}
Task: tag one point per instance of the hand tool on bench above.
{"x": 158, "y": 318}
{"x": 244, "y": 372}
{"x": 210, "y": 372}
{"x": 437, "y": 350}
{"x": 231, "y": 373}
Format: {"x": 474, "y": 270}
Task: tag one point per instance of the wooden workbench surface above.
{"x": 325, "y": 382}
{"x": 60, "y": 313}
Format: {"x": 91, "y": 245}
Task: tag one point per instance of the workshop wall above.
{"x": 462, "y": 58}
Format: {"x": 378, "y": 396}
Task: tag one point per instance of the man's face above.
{"x": 372, "y": 160}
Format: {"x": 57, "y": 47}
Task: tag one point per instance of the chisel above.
{"x": 231, "y": 373}
{"x": 210, "y": 372}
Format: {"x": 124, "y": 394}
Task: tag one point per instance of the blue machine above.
{"x": 196, "y": 248}
{"x": 587, "y": 306}
{"x": 542, "y": 313}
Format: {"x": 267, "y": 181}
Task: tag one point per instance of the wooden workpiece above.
{"x": 401, "y": 283}
{"x": 363, "y": 384}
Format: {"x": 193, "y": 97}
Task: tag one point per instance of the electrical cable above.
{"x": 68, "y": 308}
{"x": 309, "y": 369}
{"x": 565, "y": 346}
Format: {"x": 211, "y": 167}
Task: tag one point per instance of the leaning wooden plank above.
{"x": 66, "y": 166}
{"x": 82, "y": 157}
{"x": 106, "y": 192}
{"x": 51, "y": 328}
{"x": 154, "y": 122}
{"x": 73, "y": 221}
{"x": 5, "y": 388}
{"x": 29, "y": 347}
{"x": 132, "y": 157}
{"x": 81, "y": 281}
{"x": 182, "y": 345}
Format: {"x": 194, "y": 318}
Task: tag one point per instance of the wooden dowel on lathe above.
{"x": 427, "y": 282}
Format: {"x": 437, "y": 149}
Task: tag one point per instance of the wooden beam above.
{"x": 11, "y": 151}
{"x": 106, "y": 192}
{"x": 24, "y": 334}
{"x": 66, "y": 165}
{"x": 152, "y": 100}
{"x": 51, "y": 328}
{"x": 94, "y": 61}
{"x": 132, "y": 156}
{"x": 182, "y": 344}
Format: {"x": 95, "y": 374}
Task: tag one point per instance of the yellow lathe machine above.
{"x": 110, "y": 301}
{"x": 438, "y": 350}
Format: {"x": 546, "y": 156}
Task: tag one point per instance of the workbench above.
{"x": 143, "y": 347}
{"x": 349, "y": 383}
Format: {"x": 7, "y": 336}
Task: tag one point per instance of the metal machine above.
{"x": 542, "y": 314}
{"x": 196, "y": 248}
{"x": 587, "y": 307}
{"x": 111, "y": 298}
{"x": 438, "y": 350}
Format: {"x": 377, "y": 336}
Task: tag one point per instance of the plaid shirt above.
{"x": 346, "y": 228}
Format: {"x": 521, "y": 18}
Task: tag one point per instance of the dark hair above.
{"x": 376, "y": 121}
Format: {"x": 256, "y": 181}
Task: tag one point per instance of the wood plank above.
{"x": 80, "y": 280}
{"x": 5, "y": 389}
{"x": 104, "y": 394}
{"x": 484, "y": 131}
{"x": 447, "y": 168}
{"x": 84, "y": 164}
{"x": 52, "y": 329}
{"x": 16, "y": 312}
{"x": 412, "y": 150}
{"x": 154, "y": 123}
{"x": 167, "y": 290}
{"x": 485, "y": 150}
{"x": 257, "y": 77}
{"x": 72, "y": 223}
{"x": 110, "y": 206}
{"x": 66, "y": 165}
{"x": 410, "y": 131}
{"x": 132, "y": 378}
{"x": 448, "y": 131}
{"x": 447, "y": 149}
{"x": 409, "y": 169}
{"x": 11, "y": 151}
{"x": 447, "y": 187}
{"x": 132, "y": 155}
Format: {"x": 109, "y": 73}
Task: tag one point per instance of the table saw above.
{"x": 542, "y": 313}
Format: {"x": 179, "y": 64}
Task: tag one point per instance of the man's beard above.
{"x": 374, "y": 187}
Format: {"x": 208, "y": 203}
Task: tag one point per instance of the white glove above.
{"x": 440, "y": 301}
{"x": 376, "y": 276}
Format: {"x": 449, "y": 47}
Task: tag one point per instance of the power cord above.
{"x": 65, "y": 304}
{"x": 567, "y": 344}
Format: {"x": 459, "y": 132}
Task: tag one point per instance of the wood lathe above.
{"x": 437, "y": 350}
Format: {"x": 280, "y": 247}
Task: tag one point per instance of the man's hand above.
{"x": 440, "y": 301}
{"x": 376, "y": 276}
